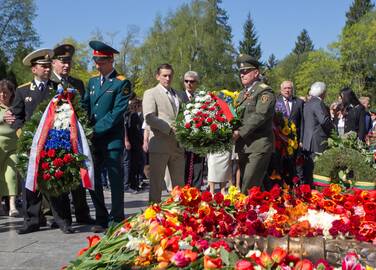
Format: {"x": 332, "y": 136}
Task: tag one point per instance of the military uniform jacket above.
{"x": 27, "y": 98}
{"x": 72, "y": 83}
{"x": 256, "y": 110}
{"x": 105, "y": 106}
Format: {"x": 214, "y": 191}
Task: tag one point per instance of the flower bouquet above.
{"x": 55, "y": 156}
{"x": 194, "y": 230}
{"x": 206, "y": 124}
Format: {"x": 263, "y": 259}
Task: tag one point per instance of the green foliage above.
{"x": 346, "y": 161}
{"x": 17, "y": 71}
{"x": 286, "y": 70}
{"x": 357, "y": 48}
{"x": 320, "y": 66}
{"x": 195, "y": 37}
{"x": 16, "y": 25}
{"x": 249, "y": 45}
{"x": 304, "y": 43}
{"x": 272, "y": 62}
{"x": 357, "y": 10}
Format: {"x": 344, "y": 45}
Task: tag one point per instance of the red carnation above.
{"x": 45, "y": 166}
{"x": 59, "y": 174}
{"x": 58, "y": 162}
{"x": 46, "y": 176}
{"x": 198, "y": 125}
{"x": 209, "y": 120}
{"x": 218, "y": 197}
{"x": 211, "y": 108}
{"x": 187, "y": 125}
{"x": 43, "y": 154}
{"x": 213, "y": 127}
{"x": 67, "y": 158}
{"x": 51, "y": 153}
{"x": 206, "y": 196}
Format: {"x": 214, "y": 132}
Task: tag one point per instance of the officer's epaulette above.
{"x": 23, "y": 85}
{"x": 263, "y": 85}
{"x": 120, "y": 77}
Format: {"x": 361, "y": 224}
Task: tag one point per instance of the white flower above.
{"x": 257, "y": 253}
{"x": 186, "y": 112}
{"x": 133, "y": 243}
{"x": 190, "y": 105}
{"x": 201, "y": 93}
{"x": 320, "y": 220}
{"x": 197, "y": 105}
{"x": 195, "y": 111}
{"x": 188, "y": 118}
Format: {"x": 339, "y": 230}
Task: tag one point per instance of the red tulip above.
{"x": 243, "y": 265}
{"x": 304, "y": 265}
{"x": 278, "y": 255}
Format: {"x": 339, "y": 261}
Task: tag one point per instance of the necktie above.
{"x": 41, "y": 87}
{"x": 287, "y": 107}
{"x": 102, "y": 80}
{"x": 64, "y": 82}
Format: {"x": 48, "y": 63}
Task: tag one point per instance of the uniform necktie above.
{"x": 102, "y": 80}
{"x": 287, "y": 107}
{"x": 41, "y": 87}
{"x": 64, "y": 82}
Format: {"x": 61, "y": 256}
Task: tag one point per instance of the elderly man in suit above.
{"x": 61, "y": 67}
{"x": 292, "y": 108}
{"x": 194, "y": 164}
{"x": 160, "y": 106}
{"x": 316, "y": 129}
{"x": 106, "y": 99}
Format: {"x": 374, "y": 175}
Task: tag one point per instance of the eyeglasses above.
{"x": 189, "y": 81}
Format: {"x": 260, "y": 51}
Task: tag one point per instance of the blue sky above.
{"x": 277, "y": 22}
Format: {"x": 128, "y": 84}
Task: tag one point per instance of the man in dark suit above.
{"x": 61, "y": 66}
{"x": 106, "y": 99}
{"x": 194, "y": 164}
{"x": 292, "y": 108}
{"x": 27, "y": 98}
{"x": 316, "y": 129}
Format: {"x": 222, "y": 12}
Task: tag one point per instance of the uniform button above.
{"x": 95, "y": 115}
{"x": 96, "y": 104}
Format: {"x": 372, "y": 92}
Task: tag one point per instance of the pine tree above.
{"x": 272, "y": 62}
{"x": 303, "y": 44}
{"x": 250, "y": 44}
{"x": 357, "y": 10}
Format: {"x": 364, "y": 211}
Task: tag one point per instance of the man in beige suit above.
{"x": 160, "y": 106}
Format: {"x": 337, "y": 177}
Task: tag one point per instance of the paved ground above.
{"x": 50, "y": 249}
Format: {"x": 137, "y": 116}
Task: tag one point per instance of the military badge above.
{"x": 126, "y": 90}
{"x": 264, "y": 98}
{"x": 28, "y": 99}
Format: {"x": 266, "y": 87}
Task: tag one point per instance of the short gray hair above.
{"x": 193, "y": 74}
{"x": 317, "y": 89}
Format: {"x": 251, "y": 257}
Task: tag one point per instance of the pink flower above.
{"x": 180, "y": 260}
{"x": 243, "y": 265}
{"x": 351, "y": 262}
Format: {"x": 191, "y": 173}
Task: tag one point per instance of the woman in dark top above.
{"x": 353, "y": 112}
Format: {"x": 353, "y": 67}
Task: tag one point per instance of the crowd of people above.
{"x": 134, "y": 137}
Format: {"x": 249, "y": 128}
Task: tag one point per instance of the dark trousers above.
{"x": 126, "y": 167}
{"x": 308, "y": 167}
{"x": 32, "y": 204}
{"x": 136, "y": 165}
{"x": 111, "y": 160}
{"x": 253, "y": 167}
{"x": 194, "y": 169}
{"x": 81, "y": 208}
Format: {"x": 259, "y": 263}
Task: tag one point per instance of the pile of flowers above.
{"x": 57, "y": 157}
{"x": 205, "y": 125}
{"x": 197, "y": 230}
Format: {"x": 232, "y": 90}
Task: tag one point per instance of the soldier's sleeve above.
{"x": 149, "y": 107}
{"x": 113, "y": 117}
{"x": 18, "y": 109}
{"x": 264, "y": 111}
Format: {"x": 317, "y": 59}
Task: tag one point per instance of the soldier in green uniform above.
{"x": 254, "y": 139}
{"x": 106, "y": 99}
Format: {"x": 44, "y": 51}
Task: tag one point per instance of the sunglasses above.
{"x": 189, "y": 81}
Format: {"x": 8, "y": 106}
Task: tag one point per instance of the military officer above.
{"x": 61, "y": 66}
{"x": 254, "y": 139}
{"x": 27, "y": 98}
{"x": 106, "y": 99}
